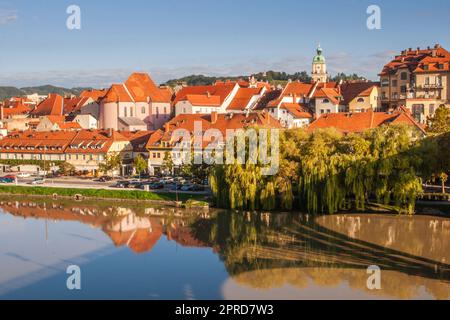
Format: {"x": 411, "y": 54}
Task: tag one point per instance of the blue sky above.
{"x": 173, "y": 38}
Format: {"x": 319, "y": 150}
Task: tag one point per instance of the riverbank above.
{"x": 165, "y": 198}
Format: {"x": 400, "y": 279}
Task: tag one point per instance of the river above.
{"x": 137, "y": 251}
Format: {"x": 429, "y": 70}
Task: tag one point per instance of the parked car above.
{"x": 122, "y": 185}
{"x": 38, "y": 181}
{"x": 7, "y": 180}
{"x": 10, "y": 177}
{"x": 186, "y": 187}
{"x": 156, "y": 186}
{"x": 23, "y": 175}
{"x": 105, "y": 179}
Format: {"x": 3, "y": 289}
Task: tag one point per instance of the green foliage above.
{"x": 440, "y": 123}
{"x": 66, "y": 169}
{"x": 96, "y": 193}
{"x": 325, "y": 172}
{"x": 8, "y": 92}
{"x": 344, "y": 77}
{"x": 139, "y": 164}
{"x": 111, "y": 163}
{"x": 273, "y": 77}
{"x": 168, "y": 164}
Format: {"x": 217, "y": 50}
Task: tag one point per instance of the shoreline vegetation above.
{"x": 326, "y": 172}
{"x": 188, "y": 200}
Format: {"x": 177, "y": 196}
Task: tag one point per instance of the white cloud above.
{"x": 7, "y": 16}
{"x": 368, "y": 66}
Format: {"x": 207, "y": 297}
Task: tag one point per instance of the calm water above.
{"x": 128, "y": 251}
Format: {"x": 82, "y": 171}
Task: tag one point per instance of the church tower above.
{"x": 319, "y": 67}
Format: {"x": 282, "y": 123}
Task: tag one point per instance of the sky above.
{"x": 175, "y": 38}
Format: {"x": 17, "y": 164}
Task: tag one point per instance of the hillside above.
{"x": 8, "y": 92}
{"x": 273, "y": 77}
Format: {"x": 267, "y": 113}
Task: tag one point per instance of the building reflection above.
{"x": 124, "y": 226}
{"x": 263, "y": 251}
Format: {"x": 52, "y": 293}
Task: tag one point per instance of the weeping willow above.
{"x": 325, "y": 172}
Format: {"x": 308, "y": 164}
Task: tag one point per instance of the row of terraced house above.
{"x": 140, "y": 117}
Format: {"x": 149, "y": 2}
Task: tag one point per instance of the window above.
{"x": 143, "y": 110}
{"x": 425, "y": 67}
{"x": 125, "y": 112}
{"x": 432, "y": 109}
{"x": 131, "y": 112}
{"x": 360, "y": 100}
{"x": 427, "y": 80}
{"x": 403, "y": 89}
{"x": 394, "y": 83}
{"x": 385, "y": 82}
{"x": 417, "y": 110}
{"x": 326, "y": 101}
{"x": 404, "y": 76}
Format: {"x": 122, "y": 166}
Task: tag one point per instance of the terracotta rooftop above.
{"x": 360, "y": 122}
{"x": 243, "y": 98}
{"x": 53, "y": 105}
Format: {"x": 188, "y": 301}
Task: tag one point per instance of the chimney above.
{"x": 214, "y": 117}
{"x": 437, "y": 46}
{"x": 208, "y": 94}
{"x": 110, "y": 133}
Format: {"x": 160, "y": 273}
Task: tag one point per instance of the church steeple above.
{"x": 319, "y": 67}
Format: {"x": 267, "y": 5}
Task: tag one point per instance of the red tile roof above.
{"x": 18, "y": 109}
{"x": 94, "y": 94}
{"x": 414, "y": 60}
{"x": 222, "y": 123}
{"x": 142, "y": 88}
{"x": 222, "y": 90}
{"x": 203, "y": 100}
{"x": 360, "y": 122}
{"x": 352, "y": 90}
{"x": 139, "y": 87}
{"x": 117, "y": 93}
{"x": 74, "y": 105}
{"x": 77, "y": 142}
{"x": 299, "y": 111}
{"x": 332, "y": 94}
{"x": 53, "y": 105}
{"x": 243, "y": 98}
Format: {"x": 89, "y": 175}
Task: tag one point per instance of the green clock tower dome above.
{"x": 319, "y": 58}
{"x": 319, "y": 67}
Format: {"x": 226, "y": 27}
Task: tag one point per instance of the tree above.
{"x": 140, "y": 165}
{"x": 111, "y": 163}
{"x": 444, "y": 178}
{"x": 168, "y": 164}
{"x": 440, "y": 123}
{"x": 66, "y": 169}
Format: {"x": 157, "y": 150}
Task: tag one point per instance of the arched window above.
{"x": 361, "y": 100}
{"x": 326, "y": 101}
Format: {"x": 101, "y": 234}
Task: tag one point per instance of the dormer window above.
{"x": 425, "y": 67}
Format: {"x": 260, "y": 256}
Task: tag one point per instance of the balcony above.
{"x": 437, "y": 86}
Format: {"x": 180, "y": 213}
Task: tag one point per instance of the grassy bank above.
{"x": 98, "y": 193}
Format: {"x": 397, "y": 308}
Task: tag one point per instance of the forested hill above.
{"x": 273, "y": 77}
{"x": 8, "y": 92}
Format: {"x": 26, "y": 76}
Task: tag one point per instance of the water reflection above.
{"x": 264, "y": 255}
